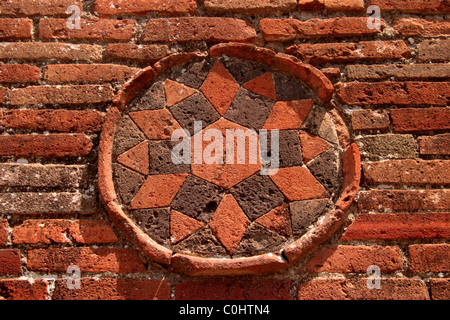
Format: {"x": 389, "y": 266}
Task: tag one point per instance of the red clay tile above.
{"x": 155, "y": 124}
{"x": 176, "y": 92}
{"x": 220, "y": 88}
{"x": 226, "y": 175}
{"x": 136, "y": 158}
{"x": 278, "y": 220}
{"x": 312, "y": 146}
{"x": 262, "y": 85}
{"x": 158, "y": 191}
{"x": 287, "y": 115}
{"x": 297, "y": 183}
{"x": 182, "y": 226}
{"x": 229, "y": 223}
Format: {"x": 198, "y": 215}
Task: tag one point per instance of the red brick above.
{"x": 14, "y": 289}
{"x": 140, "y": 53}
{"x": 118, "y": 260}
{"x": 440, "y": 289}
{"x": 434, "y": 50}
{"x": 19, "y": 73}
{"x": 49, "y": 231}
{"x": 113, "y": 289}
{"x": 422, "y": 27}
{"x": 421, "y": 71}
{"x": 396, "y": 93}
{"x": 420, "y": 119}
{"x": 106, "y": 8}
{"x": 403, "y": 200}
{"x": 311, "y": 5}
{"x": 15, "y": 29}
{"x": 10, "y": 261}
{"x": 416, "y": 6}
{"x": 87, "y": 73}
{"x": 356, "y": 289}
{"x": 4, "y": 230}
{"x": 435, "y": 145}
{"x": 344, "y": 5}
{"x": 429, "y": 258}
{"x": 3, "y": 92}
{"x": 249, "y": 6}
{"x": 49, "y": 146}
{"x": 400, "y": 226}
{"x": 331, "y": 73}
{"x": 66, "y": 95}
{"x": 409, "y": 172}
{"x": 234, "y": 290}
{"x": 36, "y": 51}
{"x": 356, "y": 259}
{"x": 100, "y": 29}
{"x": 54, "y": 120}
{"x": 290, "y": 29}
{"x": 188, "y": 29}
{"x": 38, "y": 8}
{"x": 370, "y": 120}
{"x": 350, "y": 52}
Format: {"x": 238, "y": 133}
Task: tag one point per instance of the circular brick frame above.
{"x": 259, "y": 264}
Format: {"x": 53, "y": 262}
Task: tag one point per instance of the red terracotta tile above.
{"x": 297, "y": 183}
{"x": 176, "y": 92}
{"x": 262, "y": 85}
{"x": 287, "y": 115}
{"x": 158, "y": 191}
{"x": 182, "y": 226}
{"x": 220, "y": 88}
{"x": 136, "y": 158}
{"x": 229, "y": 223}
{"x": 226, "y": 175}
{"x": 278, "y": 220}
{"x": 312, "y": 146}
{"x": 155, "y": 124}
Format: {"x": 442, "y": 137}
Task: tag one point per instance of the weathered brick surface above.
{"x": 249, "y": 6}
{"x": 118, "y": 260}
{"x": 398, "y": 71}
{"x": 15, "y": 289}
{"x": 106, "y": 8}
{"x": 356, "y": 289}
{"x": 15, "y": 29}
{"x": 434, "y": 50}
{"x": 141, "y": 53}
{"x": 403, "y": 200}
{"x": 87, "y": 73}
{"x": 418, "y": 6}
{"x": 198, "y": 29}
{"x": 35, "y": 51}
{"x": 114, "y": 289}
{"x": 4, "y": 229}
{"x": 408, "y": 172}
{"x": 400, "y": 226}
{"x": 423, "y": 27}
{"x": 19, "y": 73}
{"x": 344, "y": 5}
{"x": 350, "y": 52}
{"x": 290, "y": 29}
{"x": 370, "y": 120}
{"x": 49, "y": 146}
{"x": 10, "y": 262}
{"x": 101, "y": 29}
{"x": 354, "y": 259}
{"x": 440, "y": 289}
{"x": 66, "y": 95}
{"x": 429, "y": 258}
{"x": 394, "y": 146}
{"x": 35, "y": 8}
{"x": 49, "y": 231}
{"x": 435, "y": 145}
{"x": 420, "y": 119}
{"x": 53, "y": 120}
{"x": 233, "y": 290}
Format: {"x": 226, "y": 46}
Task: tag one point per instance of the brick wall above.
{"x": 56, "y": 85}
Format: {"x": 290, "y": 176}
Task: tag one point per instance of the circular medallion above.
{"x": 227, "y": 163}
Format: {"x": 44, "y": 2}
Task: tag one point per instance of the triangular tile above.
{"x": 312, "y": 146}
{"x": 176, "y": 92}
{"x": 136, "y": 158}
{"x": 286, "y": 115}
{"x": 262, "y": 85}
{"x": 278, "y": 220}
{"x": 220, "y": 88}
{"x": 182, "y": 226}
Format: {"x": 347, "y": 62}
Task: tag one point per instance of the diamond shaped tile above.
{"x": 220, "y": 88}
{"x": 229, "y": 223}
